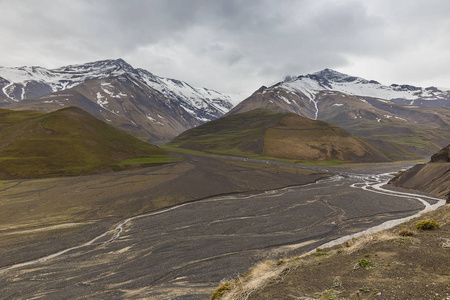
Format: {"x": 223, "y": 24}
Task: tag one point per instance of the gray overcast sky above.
{"x": 235, "y": 46}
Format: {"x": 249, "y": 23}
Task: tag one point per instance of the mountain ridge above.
{"x": 145, "y": 105}
{"x": 69, "y": 76}
{"x": 393, "y": 125}
{"x": 332, "y": 80}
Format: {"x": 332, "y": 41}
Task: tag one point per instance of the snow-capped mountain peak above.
{"x": 288, "y": 78}
{"x": 27, "y": 82}
{"x": 22, "y": 83}
{"x": 94, "y": 70}
{"x": 330, "y": 80}
{"x": 333, "y": 75}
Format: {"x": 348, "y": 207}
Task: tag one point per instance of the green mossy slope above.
{"x": 266, "y": 133}
{"x": 66, "y": 142}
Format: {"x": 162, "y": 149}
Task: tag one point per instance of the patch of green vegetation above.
{"x": 367, "y": 264}
{"x": 155, "y": 159}
{"x": 405, "y": 232}
{"x": 235, "y": 152}
{"x": 364, "y": 263}
{"x": 427, "y": 224}
{"x": 221, "y": 290}
{"x": 319, "y": 252}
{"x": 325, "y": 163}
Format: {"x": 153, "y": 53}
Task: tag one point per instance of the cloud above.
{"x": 234, "y": 45}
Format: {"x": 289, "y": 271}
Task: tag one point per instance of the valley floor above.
{"x": 41, "y": 216}
{"x": 233, "y": 213}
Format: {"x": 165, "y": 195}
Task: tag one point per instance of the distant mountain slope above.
{"x": 402, "y": 131}
{"x": 148, "y": 106}
{"x": 263, "y": 132}
{"x": 65, "y": 142}
{"x": 433, "y": 177}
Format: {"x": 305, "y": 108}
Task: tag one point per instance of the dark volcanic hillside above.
{"x": 433, "y": 177}
{"x": 267, "y": 133}
{"x": 65, "y": 142}
{"x": 147, "y": 106}
{"x": 415, "y": 127}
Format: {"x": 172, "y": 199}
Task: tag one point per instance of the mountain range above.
{"x": 150, "y": 107}
{"x": 402, "y": 121}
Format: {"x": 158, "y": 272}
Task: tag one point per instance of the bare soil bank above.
{"x": 42, "y": 216}
{"x": 433, "y": 178}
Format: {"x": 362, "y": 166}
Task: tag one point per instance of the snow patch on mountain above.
{"x": 329, "y": 80}
{"x": 154, "y": 120}
{"x": 197, "y": 97}
{"x": 284, "y": 99}
{"x": 309, "y": 87}
{"x": 108, "y": 88}
{"x": 7, "y": 90}
{"x": 101, "y": 100}
{"x": 202, "y": 103}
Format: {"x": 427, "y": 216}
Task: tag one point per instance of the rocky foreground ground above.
{"x": 400, "y": 263}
